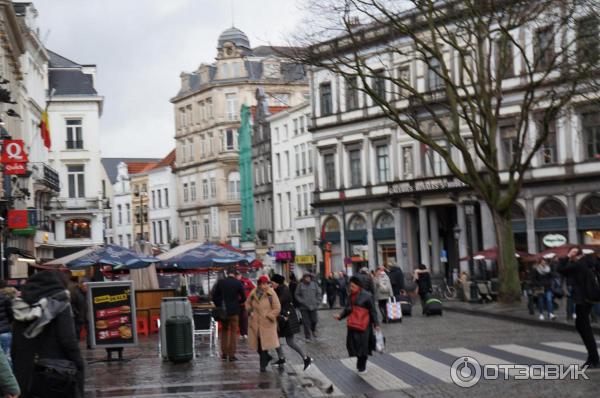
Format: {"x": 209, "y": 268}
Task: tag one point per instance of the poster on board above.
{"x": 112, "y": 320}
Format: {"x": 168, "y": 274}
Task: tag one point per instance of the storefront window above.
{"x": 385, "y": 220}
{"x": 590, "y": 212}
{"x": 591, "y": 206}
{"x": 357, "y": 223}
{"x": 78, "y": 229}
{"x": 551, "y": 208}
{"x": 332, "y": 225}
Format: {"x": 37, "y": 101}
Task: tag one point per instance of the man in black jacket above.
{"x": 575, "y": 266}
{"x": 397, "y": 278}
{"x": 229, "y": 293}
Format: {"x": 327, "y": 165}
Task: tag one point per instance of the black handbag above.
{"x": 54, "y": 378}
{"x": 219, "y": 313}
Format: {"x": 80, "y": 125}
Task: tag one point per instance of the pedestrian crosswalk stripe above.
{"x": 436, "y": 369}
{"x": 320, "y": 382}
{"x": 543, "y": 356}
{"x": 377, "y": 377}
{"x": 566, "y": 346}
{"x": 482, "y": 358}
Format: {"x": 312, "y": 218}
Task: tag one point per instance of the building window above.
{"x": 120, "y": 214}
{"x": 332, "y": 225}
{"x": 154, "y": 235}
{"x": 587, "y": 40}
{"x": 194, "y": 229}
{"x": 186, "y": 192}
{"x": 193, "y": 191}
{"x": 384, "y": 221}
{"x": 159, "y": 197}
{"x": 166, "y": 197}
{"x": 407, "y": 162}
{"x": 505, "y": 66}
{"x": 129, "y": 241}
{"x": 233, "y": 185}
{"x": 302, "y": 124}
{"x": 306, "y": 193}
{"x": 357, "y": 223}
{"x": 160, "y": 232}
{"x": 229, "y": 140}
{"x": 278, "y": 165}
{"x": 206, "y": 227}
{"x": 121, "y": 240}
{"x": 78, "y": 229}
{"x": 435, "y": 81}
{"x": 232, "y": 111}
{"x": 128, "y": 213}
{"x": 235, "y": 223}
{"x": 329, "y": 168}
{"x": 168, "y": 230}
{"x": 510, "y": 144}
{"x": 355, "y": 169}
{"x": 295, "y": 122}
{"x": 383, "y": 164}
{"x": 186, "y": 230}
{"x": 205, "y": 188}
{"x": 74, "y": 134}
{"x": 544, "y": 48}
{"x": 153, "y": 199}
{"x": 551, "y": 208}
{"x": 299, "y": 200}
{"x": 326, "y": 100}
{"x": 591, "y": 134}
{"x": 548, "y": 150}
{"x": 351, "y": 93}
{"x": 290, "y": 212}
{"x": 378, "y": 82}
{"x": 213, "y": 187}
{"x": 76, "y": 178}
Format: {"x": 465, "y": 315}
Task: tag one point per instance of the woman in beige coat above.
{"x": 263, "y": 308}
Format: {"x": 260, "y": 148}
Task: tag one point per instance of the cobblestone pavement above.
{"x": 423, "y": 349}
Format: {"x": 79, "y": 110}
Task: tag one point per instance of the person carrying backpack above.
{"x": 584, "y": 272}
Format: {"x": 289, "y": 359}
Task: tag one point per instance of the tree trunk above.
{"x": 508, "y": 270}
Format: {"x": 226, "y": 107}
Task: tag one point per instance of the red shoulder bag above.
{"x": 358, "y": 319}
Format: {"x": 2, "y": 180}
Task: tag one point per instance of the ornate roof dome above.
{"x": 235, "y": 36}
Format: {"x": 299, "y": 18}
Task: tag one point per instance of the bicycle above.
{"x": 445, "y": 290}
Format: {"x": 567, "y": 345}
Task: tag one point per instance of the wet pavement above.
{"x": 417, "y": 360}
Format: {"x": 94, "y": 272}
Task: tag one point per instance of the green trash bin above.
{"x": 180, "y": 342}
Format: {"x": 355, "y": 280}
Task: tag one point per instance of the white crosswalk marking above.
{"x": 319, "y": 382}
{"x": 567, "y": 346}
{"x": 540, "y": 355}
{"x": 427, "y": 365}
{"x": 377, "y": 377}
{"x": 483, "y": 359}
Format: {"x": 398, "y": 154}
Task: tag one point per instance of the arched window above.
{"x": 225, "y": 71}
{"x": 78, "y": 228}
{"x": 516, "y": 212}
{"x": 233, "y": 185}
{"x": 551, "y": 208}
{"x": 357, "y": 223}
{"x": 590, "y": 206}
{"x": 385, "y": 220}
{"x": 332, "y": 225}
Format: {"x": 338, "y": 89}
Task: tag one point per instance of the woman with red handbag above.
{"x": 362, "y": 321}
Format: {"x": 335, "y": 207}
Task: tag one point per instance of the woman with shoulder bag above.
{"x": 263, "y": 308}
{"x": 47, "y": 361}
{"x": 288, "y": 324}
{"x": 362, "y": 322}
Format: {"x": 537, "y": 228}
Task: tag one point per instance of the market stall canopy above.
{"x": 201, "y": 256}
{"x": 563, "y": 250}
{"x": 492, "y": 254}
{"x": 117, "y": 256}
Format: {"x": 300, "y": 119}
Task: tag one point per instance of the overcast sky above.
{"x": 141, "y": 46}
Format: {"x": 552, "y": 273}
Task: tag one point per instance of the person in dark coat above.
{"x": 423, "y": 281}
{"x": 292, "y": 286}
{"x": 541, "y": 282}
{"x": 397, "y": 278}
{"x": 342, "y": 284}
{"x": 229, "y": 293}
{"x": 360, "y": 344}
{"x": 78, "y": 305}
{"x": 366, "y": 280}
{"x": 288, "y": 324}
{"x": 574, "y": 267}
{"x": 49, "y": 333}
{"x": 331, "y": 289}
{"x": 6, "y": 318}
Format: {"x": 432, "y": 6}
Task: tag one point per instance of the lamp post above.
{"x": 469, "y": 211}
{"x": 457, "y": 232}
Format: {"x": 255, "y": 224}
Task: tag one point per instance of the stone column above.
{"x": 572, "y": 218}
{"x": 462, "y": 241}
{"x": 367, "y": 180}
{"x": 341, "y": 172}
{"x": 424, "y": 236}
{"x": 530, "y": 222}
{"x": 343, "y": 242}
{"x": 435, "y": 242}
{"x": 401, "y": 260}
{"x": 371, "y": 242}
{"x": 395, "y": 156}
{"x": 487, "y": 226}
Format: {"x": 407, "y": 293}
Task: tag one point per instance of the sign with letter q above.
{"x": 13, "y": 151}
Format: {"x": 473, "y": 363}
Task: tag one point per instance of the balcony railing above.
{"x": 74, "y": 144}
{"x": 46, "y": 175}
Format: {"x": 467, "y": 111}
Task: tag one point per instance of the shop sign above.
{"x": 428, "y": 185}
{"x": 14, "y": 157}
{"x": 554, "y": 240}
{"x": 305, "y": 260}
{"x": 284, "y": 256}
{"x": 112, "y": 318}
{"x": 17, "y": 219}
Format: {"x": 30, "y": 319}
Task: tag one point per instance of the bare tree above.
{"x": 479, "y": 58}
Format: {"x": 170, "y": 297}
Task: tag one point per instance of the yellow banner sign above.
{"x": 305, "y": 260}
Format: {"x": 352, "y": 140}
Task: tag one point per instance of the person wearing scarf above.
{"x": 541, "y": 282}
{"x": 43, "y": 329}
{"x": 263, "y": 308}
{"x": 360, "y": 344}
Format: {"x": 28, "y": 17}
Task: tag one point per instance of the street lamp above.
{"x": 469, "y": 211}
{"x": 457, "y": 232}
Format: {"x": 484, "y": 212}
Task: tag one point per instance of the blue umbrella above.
{"x": 117, "y": 256}
{"x": 203, "y": 257}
